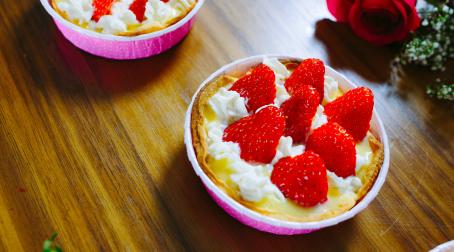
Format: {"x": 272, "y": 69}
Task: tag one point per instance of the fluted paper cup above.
{"x": 257, "y": 220}
{"x": 123, "y": 47}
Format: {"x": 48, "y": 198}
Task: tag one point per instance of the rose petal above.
{"x": 388, "y": 5}
{"x": 401, "y": 32}
{"x": 392, "y": 9}
{"x": 413, "y": 16}
{"x": 415, "y": 21}
{"x": 411, "y": 3}
{"x": 340, "y": 9}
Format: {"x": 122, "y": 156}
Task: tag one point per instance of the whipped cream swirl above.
{"x": 228, "y": 105}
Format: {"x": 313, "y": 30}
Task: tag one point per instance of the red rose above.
{"x": 377, "y": 21}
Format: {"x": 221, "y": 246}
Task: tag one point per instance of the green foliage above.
{"x": 433, "y": 43}
{"x": 441, "y": 92}
{"x": 49, "y": 246}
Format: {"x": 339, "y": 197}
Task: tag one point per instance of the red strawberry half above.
{"x": 302, "y": 178}
{"x": 309, "y": 72}
{"x": 101, "y": 8}
{"x": 336, "y": 147}
{"x": 299, "y": 111}
{"x": 258, "y": 134}
{"x": 138, "y": 7}
{"x": 353, "y": 111}
{"x": 257, "y": 88}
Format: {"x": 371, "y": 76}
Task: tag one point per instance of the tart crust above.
{"x": 138, "y": 29}
{"x": 367, "y": 174}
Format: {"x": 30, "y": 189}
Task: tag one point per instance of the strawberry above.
{"x": 138, "y": 7}
{"x": 353, "y": 111}
{"x": 336, "y": 147}
{"x": 257, "y": 88}
{"x": 101, "y": 8}
{"x": 299, "y": 111}
{"x": 302, "y": 178}
{"x": 258, "y": 134}
{"x": 309, "y": 72}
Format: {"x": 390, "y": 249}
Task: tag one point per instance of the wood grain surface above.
{"x": 93, "y": 148}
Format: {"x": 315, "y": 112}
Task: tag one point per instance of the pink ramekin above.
{"x": 265, "y": 223}
{"x": 122, "y": 47}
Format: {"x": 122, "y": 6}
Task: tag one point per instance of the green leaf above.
{"x": 49, "y": 246}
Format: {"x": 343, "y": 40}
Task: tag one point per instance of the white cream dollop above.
{"x": 281, "y": 73}
{"x": 217, "y": 148}
{"x": 158, "y": 11}
{"x": 285, "y": 148}
{"x": 281, "y": 94}
{"x": 319, "y": 118}
{"x": 331, "y": 89}
{"x": 228, "y": 105}
{"x": 79, "y": 11}
{"x": 348, "y": 184}
{"x": 363, "y": 153}
{"x": 180, "y": 5}
{"x": 253, "y": 181}
{"x": 279, "y": 69}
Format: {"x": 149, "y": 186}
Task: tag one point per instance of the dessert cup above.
{"x": 260, "y": 221}
{"x": 123, "y": 47}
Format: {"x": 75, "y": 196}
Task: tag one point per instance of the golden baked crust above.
{"x": 140, "y": 29}
{"x": 367, "y": 174}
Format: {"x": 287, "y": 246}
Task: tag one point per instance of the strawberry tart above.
{"x": 284, "y": 140}
{"x": 123, "y": 17}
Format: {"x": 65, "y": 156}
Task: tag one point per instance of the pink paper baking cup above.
{"x": 265, "y": 223}
{"x": 122, "y": 47}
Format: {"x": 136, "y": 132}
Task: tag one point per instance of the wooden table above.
{"x": 93, "y": 148}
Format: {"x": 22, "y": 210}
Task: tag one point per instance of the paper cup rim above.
{"x": 55, "y": 15}
{"x": 444, "y": 247}
{"x": 365, "y": 201}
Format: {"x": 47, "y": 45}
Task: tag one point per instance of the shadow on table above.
{"x": 347, "y": 51}
{"x": 200, "y": 219}
{"x": 437, "y": 115}
{"x": 113, "y": 76}
{"x": 51, "y": 59}
{"x": 407, "y": 85}
{"x": 407, "y": 79}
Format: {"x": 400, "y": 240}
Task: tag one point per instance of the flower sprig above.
{"x": 441, "y": 92}
{"x": 433, "y": 43}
